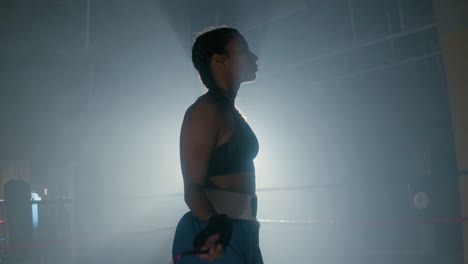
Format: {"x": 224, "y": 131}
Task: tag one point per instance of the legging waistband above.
{"x": 235, "y": 205}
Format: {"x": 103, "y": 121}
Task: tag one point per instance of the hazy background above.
{"x": 350, "y": 107}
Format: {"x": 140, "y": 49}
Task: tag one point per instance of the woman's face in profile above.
{"x": 242, "y": 64}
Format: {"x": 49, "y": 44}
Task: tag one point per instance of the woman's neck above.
{"x": 228, "y": 95}
{"x": 229, "y": 90}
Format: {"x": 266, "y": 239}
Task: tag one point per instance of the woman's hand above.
{"x": 215, "y": 251}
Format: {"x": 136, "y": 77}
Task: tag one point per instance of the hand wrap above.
{"x": 218, "y": 224}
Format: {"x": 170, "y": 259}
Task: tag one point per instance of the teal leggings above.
{"x": 243, "y": 247}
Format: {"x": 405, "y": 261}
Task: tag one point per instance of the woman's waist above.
{"x": 236, "y": 182}
{"x": 235, "y": 204}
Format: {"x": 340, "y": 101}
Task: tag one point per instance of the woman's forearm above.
{"x": 196, "y": 200}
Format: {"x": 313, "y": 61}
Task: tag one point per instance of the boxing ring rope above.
{"x": 337, "y": 221}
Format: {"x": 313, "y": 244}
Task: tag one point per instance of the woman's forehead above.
{"x": 238, "y": 42}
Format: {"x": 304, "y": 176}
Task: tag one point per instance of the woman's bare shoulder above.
{"x": 205, "y": 107}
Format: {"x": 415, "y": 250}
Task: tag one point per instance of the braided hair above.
{"x": 208, "y": 42}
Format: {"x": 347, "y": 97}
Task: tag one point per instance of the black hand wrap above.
{"x": 218, "y": 224}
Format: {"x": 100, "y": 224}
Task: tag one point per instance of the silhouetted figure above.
{"x": 217, "y": 149}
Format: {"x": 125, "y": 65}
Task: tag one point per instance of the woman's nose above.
{"x": 254, "y": 57}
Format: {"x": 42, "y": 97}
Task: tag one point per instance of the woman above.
{"x": 217, "y": 148}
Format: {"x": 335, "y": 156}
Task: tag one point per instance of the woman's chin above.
{"x": 251, "y": 78}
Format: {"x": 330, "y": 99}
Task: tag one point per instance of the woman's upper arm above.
{"x": 198, "y": 138}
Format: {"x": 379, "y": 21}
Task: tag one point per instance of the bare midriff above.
{"x": 237, "y": 182}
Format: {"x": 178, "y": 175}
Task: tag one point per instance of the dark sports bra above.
{"x": 238, "y": 153}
